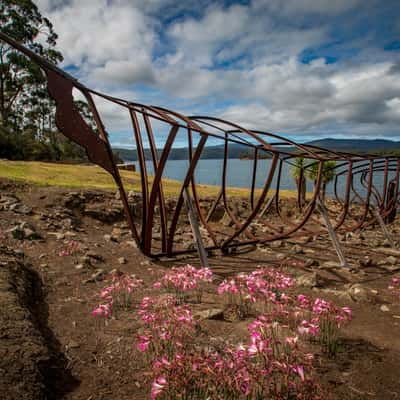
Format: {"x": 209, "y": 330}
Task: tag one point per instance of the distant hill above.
{"x": 210, "y": 152}
{"x": 357, "y": 145}
{"x": 361, "y": 146}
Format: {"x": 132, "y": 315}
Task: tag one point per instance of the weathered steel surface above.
{"x": 267, "y": 214}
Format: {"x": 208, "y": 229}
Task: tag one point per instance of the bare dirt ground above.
{"x": 52, "y": 348}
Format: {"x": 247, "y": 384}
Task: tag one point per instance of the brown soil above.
{"x": 51, "y": 347}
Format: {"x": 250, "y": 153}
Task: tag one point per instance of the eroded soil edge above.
{"x": 31, "y": 364}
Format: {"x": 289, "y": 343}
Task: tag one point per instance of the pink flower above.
{"x": 144, "y": 342}
{"x": 158, "y": 386}
{"x": 299, "y": 371}
{"x": 102, "y": 310}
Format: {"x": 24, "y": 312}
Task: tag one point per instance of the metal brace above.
{"x": 384, "y": 228}
{"x": 332, "y": 234}
{"x": 195, "y": 228}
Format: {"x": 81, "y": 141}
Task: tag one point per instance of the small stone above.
{"x": 391, "y": 260}
{"x": 211, "y": 313}
{"x": 384, "y": 308}
{"x": 276, "y": 244}
{"x": 330, "y": 265}
{"x": 280, "y": 256}
{"x": 309, "y": 262}
{"x": 297, "y": 249}
{"x": 359, "y": 293}
{"x": 97, "y": 276}
{"x": 122, "y": 260}
{"x": 57, "y": 235}
{"x": 73, "y": 345}
{"x": 365, "y": 262}
{"x": 21, "y": 209}
{"x": 94, "y": 255}
{"x": 110, "y": 238}
{"x": 309, "y": 280}
{"x": 30, "y": 234}
{"x": 131, "y": 243}
{"x": 79, "y": 266}
{"x": 70, "y": 234}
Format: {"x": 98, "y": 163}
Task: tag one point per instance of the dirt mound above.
{"x": 30, "y": 364}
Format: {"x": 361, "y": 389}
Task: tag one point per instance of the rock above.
{"x": 103, "y": 212}
{"x": 384, "y": 308}
{"x": 30, "y": 234}
{"x": 226, "y": 220}
{"x": 309, "y": 280}
{"x": 212, "y": 313}
{"x": 117, "y": 232}
{"x": 365, "y": 262}
{"x": 95, "y": 256}
{"x": 57, "y": 235}
{"x": 331, "y": 265}
{"x": 280, "y": 256}
{"x": 391, "y": 260}
{"x": 359, "y": 293}
{"x": 297, "y": 249}
{"x": 97, "y": 276}
{"x": 79, "y": 266}
{"x": 309, "y": 262}
{"x": 391, "y": 268}
{"x": 276, "y": 244}
{"x": 73, "y": 345}
{"x": 110, "y": 238}
{"x": 131, "y": 243}
{"x": 388, "y": 252}
{"x": 20, "y": 208}
{"x": 122, "y": 260}
{"x": 70, "y": 234}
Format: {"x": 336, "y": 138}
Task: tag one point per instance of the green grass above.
{"x": 90, "y": 176}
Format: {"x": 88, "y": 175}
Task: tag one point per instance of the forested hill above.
{"x": 239, "y": 151}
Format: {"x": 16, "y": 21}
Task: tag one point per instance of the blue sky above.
{"x": 306, "y": 69}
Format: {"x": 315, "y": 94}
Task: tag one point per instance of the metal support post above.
{"x": 195, "y": 228}
{"x": 332, "y": 234}
{"x": 384, "y": 228}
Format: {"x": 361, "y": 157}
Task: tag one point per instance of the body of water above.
{"x": 239, "y": 174}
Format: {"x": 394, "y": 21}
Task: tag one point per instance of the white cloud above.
{"x": 244, "y": 58}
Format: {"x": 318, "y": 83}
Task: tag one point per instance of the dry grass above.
{"x": 90, "y": 176}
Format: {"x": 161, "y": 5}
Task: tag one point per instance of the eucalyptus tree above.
{"x": 22, "y": 83}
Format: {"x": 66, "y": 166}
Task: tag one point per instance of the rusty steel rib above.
{"x": 360, "y": 186}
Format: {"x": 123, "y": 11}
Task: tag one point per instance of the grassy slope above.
{"x": 83, "y": 176}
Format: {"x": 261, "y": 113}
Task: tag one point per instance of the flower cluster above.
{"x": 395, "y": 286}
{"x": 184, "y": 279}
{"x": 264, "y": 285}
{"x": 322, "y": 320}
{"x": 117, "y": 294}
{"x": 270, "y": 365}
{"x": 165, "y": 325}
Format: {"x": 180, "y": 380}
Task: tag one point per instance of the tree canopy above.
{"x": 27, "y": 113}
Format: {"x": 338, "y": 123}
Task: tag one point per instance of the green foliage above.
{"x": 328, "y": 171}
{"x": 27, "y": 113}
{"x": 299, "y": 163}
{"x": 22, "y": 91}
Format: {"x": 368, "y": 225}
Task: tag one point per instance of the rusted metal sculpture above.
{"x": 373, "y": 199}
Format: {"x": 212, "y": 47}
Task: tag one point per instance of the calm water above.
{"x": 239, "y": 174}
